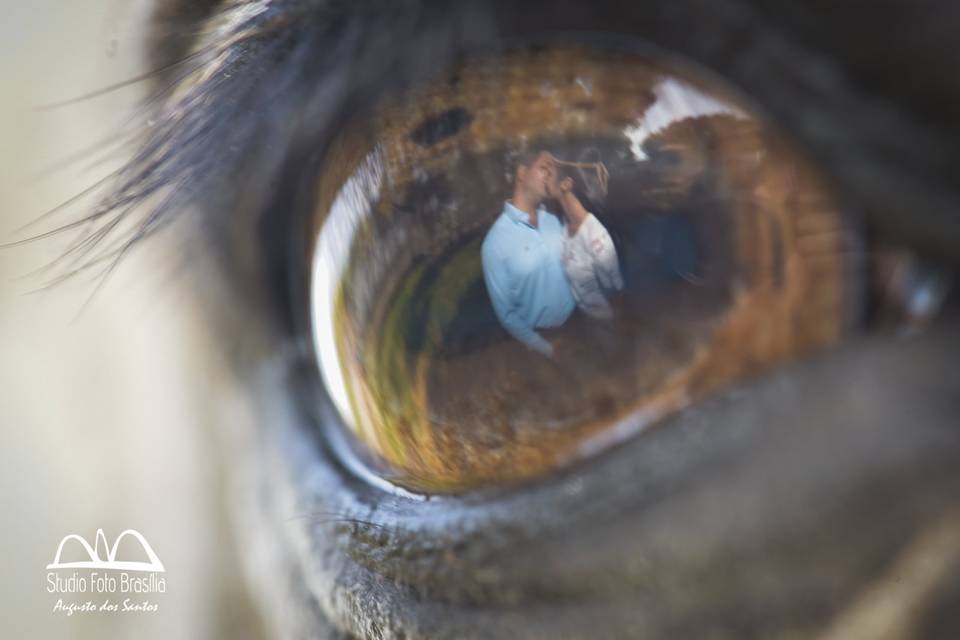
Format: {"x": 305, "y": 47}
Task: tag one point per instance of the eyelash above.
{"x": 166, "y": 174}
{"x": 206, "y": 121}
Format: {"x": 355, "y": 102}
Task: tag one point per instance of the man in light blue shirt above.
{"x": 521, "y": 259}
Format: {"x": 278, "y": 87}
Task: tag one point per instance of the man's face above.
{"x": 539, "y": 177}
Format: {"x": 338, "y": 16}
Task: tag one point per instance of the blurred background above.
{"x": 104, "y": 406}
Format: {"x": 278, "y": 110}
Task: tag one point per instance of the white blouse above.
{"x": 590, "y": 263}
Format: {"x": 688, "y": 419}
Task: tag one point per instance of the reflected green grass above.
{"x": 425, "y": 315}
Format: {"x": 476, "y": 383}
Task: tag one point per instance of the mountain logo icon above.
{"x": 104, "y": 557}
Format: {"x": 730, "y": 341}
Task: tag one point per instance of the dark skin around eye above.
{"x": 789, "y": 506}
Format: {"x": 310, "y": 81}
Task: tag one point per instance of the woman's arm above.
{"x": 574, "y": 211}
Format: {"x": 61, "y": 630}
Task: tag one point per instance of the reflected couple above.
{"x": 539, "y": 266}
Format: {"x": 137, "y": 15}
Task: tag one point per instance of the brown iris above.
{"x": 734, "y": 258}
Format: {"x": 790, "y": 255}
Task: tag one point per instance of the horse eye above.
{"x": 466, "y": 344}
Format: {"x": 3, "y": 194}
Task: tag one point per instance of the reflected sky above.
{"x": 676, "y": 100}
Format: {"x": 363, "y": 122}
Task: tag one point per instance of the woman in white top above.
{"x": 589, "y": 257}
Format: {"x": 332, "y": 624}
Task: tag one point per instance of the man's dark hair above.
{"x": 522, "y": 158}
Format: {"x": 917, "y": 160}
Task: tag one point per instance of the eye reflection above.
{"x": 547, "y": 251}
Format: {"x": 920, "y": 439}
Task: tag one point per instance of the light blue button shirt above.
{"x": 524, "y": 276}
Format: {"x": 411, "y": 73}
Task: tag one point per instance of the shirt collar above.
{"x": 521, "y": 217}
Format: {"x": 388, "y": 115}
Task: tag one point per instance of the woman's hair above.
{"x": 589, "y": 176}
